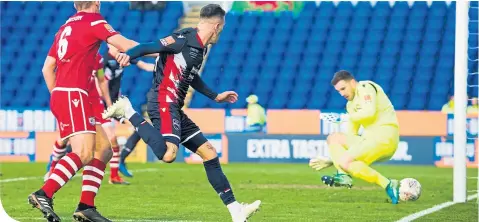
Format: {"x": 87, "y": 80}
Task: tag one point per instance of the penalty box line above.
{"x": 433, "y": 209}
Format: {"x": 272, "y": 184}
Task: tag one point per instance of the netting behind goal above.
{"x": 465, "y": 90}
{"x": 473, "y": 80}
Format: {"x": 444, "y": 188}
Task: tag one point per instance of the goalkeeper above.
{"x": 352, "y": 154}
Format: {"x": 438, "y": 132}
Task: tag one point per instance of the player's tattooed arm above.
{"x": 201, "y": 87}
{"x": 48, "y": 71}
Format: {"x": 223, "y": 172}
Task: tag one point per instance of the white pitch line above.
{"x": 433, "y": 209}
{"x": 19, "y": 179}
{"x": 36, "y": 178}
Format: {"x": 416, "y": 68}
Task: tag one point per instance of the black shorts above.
{"x": 175, "y": 126}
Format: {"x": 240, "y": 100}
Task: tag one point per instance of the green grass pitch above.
{"x": 289, "y": 192}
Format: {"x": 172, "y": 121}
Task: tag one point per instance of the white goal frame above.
{"x": 460, "y": 101}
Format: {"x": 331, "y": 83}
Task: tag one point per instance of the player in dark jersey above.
{"x": 68, "y": 74}
{"x": 180, "y": 58}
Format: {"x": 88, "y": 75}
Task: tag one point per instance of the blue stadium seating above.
{"x": 286, "y": 60}
{"x": 409, "y": 50}
{"x": 28, "y": 29}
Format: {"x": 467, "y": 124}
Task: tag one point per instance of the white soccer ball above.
{"x": 409, "y": 189}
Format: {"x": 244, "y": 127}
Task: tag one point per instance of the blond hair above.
{"x": 80, "y": 5}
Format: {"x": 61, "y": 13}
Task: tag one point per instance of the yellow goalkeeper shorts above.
{"x": 378, "y": 144}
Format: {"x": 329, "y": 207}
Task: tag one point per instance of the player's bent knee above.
{"x": 207, "y": 151}
{"x": 171, "y": 151}
{"x": 86, "y": 156}
{"x": 83, "y": 145}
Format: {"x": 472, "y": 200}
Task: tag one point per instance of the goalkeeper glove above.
{"x": 320, "y": 163}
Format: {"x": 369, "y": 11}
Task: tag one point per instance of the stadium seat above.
{"x": 417, "y": 103}
{"x": 400, "y": 9}
{"x": 381, "y": 10}
{"x": 344, "y": 9}
{"x": 396, "y": 46}
{"x": 363, "y": 9}
{"x": 359, "y": 25}
{"x": 40, "y": 22}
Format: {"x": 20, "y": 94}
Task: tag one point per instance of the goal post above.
{"x": 460, "y": 101}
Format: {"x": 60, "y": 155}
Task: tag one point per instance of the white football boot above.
{"x": 320, "y": 162}
{"x": 245, "y": 211}
{"x": 122, "y": 108}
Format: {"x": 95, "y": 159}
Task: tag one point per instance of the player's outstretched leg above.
{"x": 239, "y": 212}
{"x": 122, "y": 108}
{"x": 92, "y": 176}
{"x": 65, "y": 169}
{"x": 125, "y": 152}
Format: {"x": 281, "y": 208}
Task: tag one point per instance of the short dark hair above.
{"x": 341, "y": 75}
{"x": 212, "y": 10}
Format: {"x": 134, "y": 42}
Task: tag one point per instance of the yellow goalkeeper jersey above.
{"x": 370, "y": 108}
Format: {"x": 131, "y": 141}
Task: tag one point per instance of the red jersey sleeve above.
{"x": 53, "y": 51}
{"x": 101, "y": 29}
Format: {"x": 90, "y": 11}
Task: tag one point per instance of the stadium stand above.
{"x": 407, "y": 50}
{"x": 286, "y": 60}
{"x": 27, "y": 31}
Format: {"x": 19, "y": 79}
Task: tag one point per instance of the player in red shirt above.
{"x": 59, "y": 147}
{"x": 73, "y": 55}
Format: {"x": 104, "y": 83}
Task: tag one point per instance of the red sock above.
{"x": 52, "y": 165}
{"x": 92, "y": 176}
{"x": 114, "y": 162}
{"x": 58, "y": 151}
{"x": 65, "y": 169}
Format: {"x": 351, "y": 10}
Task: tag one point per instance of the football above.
{"x": 409, "y": 189}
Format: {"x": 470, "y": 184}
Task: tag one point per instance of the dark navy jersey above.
{"x": 176, "y": 69}
{"x": 114, "y": 73}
